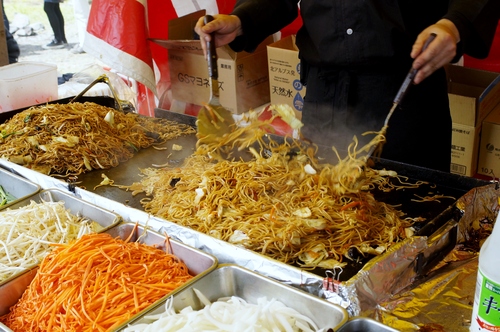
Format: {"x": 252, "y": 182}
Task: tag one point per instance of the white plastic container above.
{"x": 27, "y": 83}
{"x": 486, "y": 311}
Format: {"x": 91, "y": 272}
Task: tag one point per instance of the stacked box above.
{"x": 284, "y": 74}
{"x": 473, "y": 94}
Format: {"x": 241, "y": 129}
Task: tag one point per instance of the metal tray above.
{"x": 232, "y": 280}
{"x": 12, "y": 288}
{"x": 198, "y": 263}
{"x": 17, "y": 186}
{"x": 361, "y": 324}
{"x": 75, "y": 205}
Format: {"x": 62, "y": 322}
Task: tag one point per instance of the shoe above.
{"x": 77, "y": 50}
{"x": 54, "y": 44}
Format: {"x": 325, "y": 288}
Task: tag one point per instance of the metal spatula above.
{"x": 213, "y": 119}
{"x": 377, "y": 149}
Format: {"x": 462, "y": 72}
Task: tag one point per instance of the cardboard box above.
{"x": 473, "y": 94}
{"x": 284, "y": 74}
{"x": 243, "y": 77}
{"x": 489, "y": 148}
{"x": 464, "y": 149}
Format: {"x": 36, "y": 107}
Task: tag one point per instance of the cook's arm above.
{"x": 476, "y": 22}
{"x": 260, "y": 19}
{"x": 468, "y": 27}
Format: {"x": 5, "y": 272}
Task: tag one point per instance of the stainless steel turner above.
{"x": 213, "y": 119}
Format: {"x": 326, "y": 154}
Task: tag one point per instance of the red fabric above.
{"x": 122, "y": 24}
{"x": 278, "y": 126}
{"x": 118, "y": 33}
{"x": 292, "y": 28}
{"x": 492, "y": 62}
{"x": 159, "y": 13}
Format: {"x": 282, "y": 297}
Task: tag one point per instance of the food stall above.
{"x": 360, "y": 286}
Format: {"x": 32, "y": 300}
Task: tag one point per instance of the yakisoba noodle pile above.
{"x": 73, "y": 138}
{"x": 282, "y": 203}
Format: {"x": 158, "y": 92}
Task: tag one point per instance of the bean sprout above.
{"x": 27, "y": 233}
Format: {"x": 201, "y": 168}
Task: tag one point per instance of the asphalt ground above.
{"x": 36, "y": 33}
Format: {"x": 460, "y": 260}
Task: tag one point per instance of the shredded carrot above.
{"x": 350, "y": 205}
{"x": 95, "y": 283}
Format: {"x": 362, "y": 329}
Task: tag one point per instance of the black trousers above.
{"x": 342, "y": 103}
{"x": 56, "y": 20}
{"x": 12, "y": 46}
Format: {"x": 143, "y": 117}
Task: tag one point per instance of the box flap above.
{"x": 180, "y": 45}
{"x": 183, "y": 27}
{"x": 493, "y": 85}
{"x": 182, "y": 37}
{"x": 287, "y": 43}
{"x": 494, "y": 116}
{"x": 181, "y": 34}
{"x": 473, "y": 93}
{"x": 471, "y": 82}
{"x": 193, "y": 46}
{"x": 469, "y": 76}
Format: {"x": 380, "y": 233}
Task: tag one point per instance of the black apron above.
{"x": 343, "y": 103}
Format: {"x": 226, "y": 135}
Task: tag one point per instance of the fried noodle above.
{"x": 73, "y": 138}
{"x": 282, "y": 203}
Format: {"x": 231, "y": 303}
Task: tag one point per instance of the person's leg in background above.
{"x": 82, "y": 10}
{"x": 56, "y": 20}
{"x": 60, "y": 21}
{"x": 12, "y": 46}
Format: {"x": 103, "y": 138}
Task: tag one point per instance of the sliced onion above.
{"x": 228, "y": 314}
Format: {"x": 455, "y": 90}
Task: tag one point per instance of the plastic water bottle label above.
{"x": 486, "y": 313}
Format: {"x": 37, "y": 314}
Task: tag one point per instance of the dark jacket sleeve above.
{"x": 261, "y": 18}
{"x": 476, "y": 21}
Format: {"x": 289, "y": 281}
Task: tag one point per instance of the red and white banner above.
{"x": 117, "y": 36}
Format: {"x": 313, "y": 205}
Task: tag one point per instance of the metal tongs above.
{"x": 377, "y": 149}
{"x": 120, "y": 105}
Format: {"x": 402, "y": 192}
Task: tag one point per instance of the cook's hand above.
{"x": 439, "y": 52}
{"x": 225, "y": 28}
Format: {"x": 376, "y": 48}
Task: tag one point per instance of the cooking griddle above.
{"x": 127, "y": 172}
{"x": 103, "y": 101}
{"x": 436, "y": 213}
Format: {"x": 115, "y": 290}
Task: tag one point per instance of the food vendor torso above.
{"x": 362, "y": 33}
